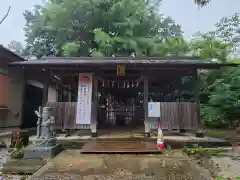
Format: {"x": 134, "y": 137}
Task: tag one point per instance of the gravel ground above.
{"x": 115, "y": 177}
{"x": 228, "y": 167}
{"x": 71, "y": 165}
{"x": 3, "y": 156}
{"x": 12, "y": 177}
{"x": 3, "y": 159}
{"x": 224, "y": 165}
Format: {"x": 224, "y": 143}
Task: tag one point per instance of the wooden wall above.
{"x": 65, "y": 115}
{"x": 174, "y": 115}
{"x": 4, "y": 83}
{"x": 178, "y": 115}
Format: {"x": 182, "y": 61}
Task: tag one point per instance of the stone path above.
{"x": 71, "y": 165}
{"x": 3, "y": 156}
{"x": 228, "y": 168}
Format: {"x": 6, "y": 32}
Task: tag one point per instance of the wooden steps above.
{"x": 120, "y": 147}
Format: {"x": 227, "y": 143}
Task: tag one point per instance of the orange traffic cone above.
{"x": 160, "y": 141}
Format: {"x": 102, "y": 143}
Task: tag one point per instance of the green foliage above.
{"x": 224, "y": 94}
{"x": 237, "y": 61}
{"x": 228, "y": 30}
{"x": 173, "y": 46}
{"x": 219, "y": 88}
{"x": 16, "y": 47}
{"x": 17, "y": 151}
{"x": 209, "y": 48}
{"x": 70, "y": 49}
{"x": 97, "y": 28}
{"x": 199, "y": 151}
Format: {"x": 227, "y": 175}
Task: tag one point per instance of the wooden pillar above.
{"x": 45, "y": 88}
{"x": 180, "y": 107}
{"x": 146, "y": 122}
{"x": 199, "y": 132}
{"x": 94, "y": 107}
{"x": 69, "y": 93}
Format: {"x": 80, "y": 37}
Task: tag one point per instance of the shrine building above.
{"x": 118, "y": 92}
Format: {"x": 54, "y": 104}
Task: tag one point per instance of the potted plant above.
{"x": 16, "y": 152}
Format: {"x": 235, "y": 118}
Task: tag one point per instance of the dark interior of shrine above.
{"x": 163, "y": 85}
{"x": 121, "y": 99}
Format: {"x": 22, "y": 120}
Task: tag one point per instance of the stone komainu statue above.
{"x": 45, "y": 129}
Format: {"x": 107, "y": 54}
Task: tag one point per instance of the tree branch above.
{"x": 202, "y": 3}
{"x": 6, "y": 15}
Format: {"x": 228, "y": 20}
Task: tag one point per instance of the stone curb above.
{"x": 40, "y": 171}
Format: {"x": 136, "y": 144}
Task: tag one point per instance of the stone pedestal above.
{"x": 182, "y": 130}
{"x": 94, "y": 130}
{"x": 45, "y": 152}
{"x": 147, "y": 134}
{"x": 147, "y": 129}
{"x": 45, "y": 145}
{"x": 94, "y": 134}
{"x": 200, "y": 133}
{"x": 45, "y": 142}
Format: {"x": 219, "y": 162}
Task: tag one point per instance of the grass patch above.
{"x": 198, "y": 151}
{"x": 217, "y": 132}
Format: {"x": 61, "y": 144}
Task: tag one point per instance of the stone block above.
{"x": 36, "y": 152}
{"x": 94, "y": 135}
{"x": 147, "y": 134}
{"x": 199, "y": 134}
{"x": 182, "y": 130}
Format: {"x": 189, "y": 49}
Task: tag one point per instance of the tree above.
{"x": 6, "y": 15}
{"x": 202, "y": 3}
{"x": 222, "y": 107}
{"x": 228, "y": 30}
{"x": 97, "y": 28}
{"x": 209, "y": 48}
{"x": 16, "y": 47}
{"x": 172, "y": 46}
{"x": 219, "y": 94}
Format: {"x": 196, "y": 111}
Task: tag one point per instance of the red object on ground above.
{"x": 160, "y": 141}
{"x": 160, "y": 146}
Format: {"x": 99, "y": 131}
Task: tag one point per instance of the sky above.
{"x": 184, "y": 12}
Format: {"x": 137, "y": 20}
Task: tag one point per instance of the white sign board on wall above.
{"x": 84, "y": 100}
{"x": 154, "y": 109}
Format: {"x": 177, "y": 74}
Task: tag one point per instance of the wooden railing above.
{"x": 174, "y": 115}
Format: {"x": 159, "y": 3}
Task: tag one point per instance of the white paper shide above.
{"x": 83, "y": 115}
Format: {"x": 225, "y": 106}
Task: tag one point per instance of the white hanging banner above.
{"x": 84, "y": 100}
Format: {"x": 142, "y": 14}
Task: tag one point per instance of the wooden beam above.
{"x": 92, "y": 68}
{"x": 45, "y": 87}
